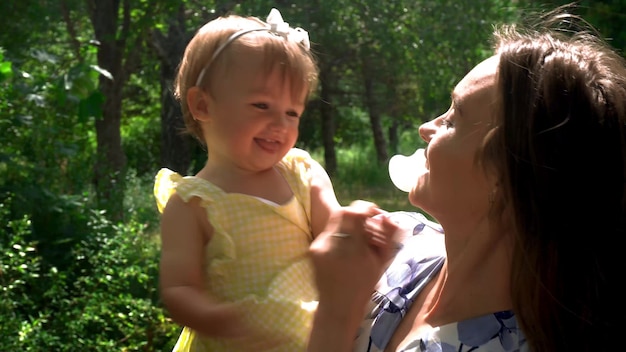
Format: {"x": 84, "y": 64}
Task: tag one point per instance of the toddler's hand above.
{"x": 351, "y": 253}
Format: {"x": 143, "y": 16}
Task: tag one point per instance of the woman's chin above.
{"x": 415, "y": 197}
{"x": 419, "y": 187}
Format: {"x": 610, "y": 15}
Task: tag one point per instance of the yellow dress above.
{"x": 257, "y": 255}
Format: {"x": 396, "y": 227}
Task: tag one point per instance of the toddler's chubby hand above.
{"x": 351, "y": 253}
{"x": 384, "y": 232}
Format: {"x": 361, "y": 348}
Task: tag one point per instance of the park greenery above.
{"x": 87, "y": 118}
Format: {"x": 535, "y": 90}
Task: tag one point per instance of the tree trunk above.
{"x": 375, "y": 121}
{"x": 392, "y": 135}
{"x": 176, "y": 147}
{"x": 328, "y": 125}
{"x": 109, "y": 173}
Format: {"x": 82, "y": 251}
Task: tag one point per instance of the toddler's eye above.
{"x": 261, "y": 106}
{"x": 292, "y": 114}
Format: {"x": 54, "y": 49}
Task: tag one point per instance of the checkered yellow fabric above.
{"x": 256, "y": 256}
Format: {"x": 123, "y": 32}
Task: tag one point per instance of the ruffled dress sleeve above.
{"x": 165, "y": 183}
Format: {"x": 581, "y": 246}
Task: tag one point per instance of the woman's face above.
{"x": 452, "y": 185}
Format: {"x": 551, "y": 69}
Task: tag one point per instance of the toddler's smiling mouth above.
{"x": 270, "y": 145}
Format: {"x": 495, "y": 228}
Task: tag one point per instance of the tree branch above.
{"x": 71, "y": 29}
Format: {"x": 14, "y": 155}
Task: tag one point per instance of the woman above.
{"x": 525, "y": 173}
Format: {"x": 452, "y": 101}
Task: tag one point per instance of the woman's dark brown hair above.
{"x": 559, "y": 146}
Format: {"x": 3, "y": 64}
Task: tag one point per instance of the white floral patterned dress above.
{"x": 417, "y": 262}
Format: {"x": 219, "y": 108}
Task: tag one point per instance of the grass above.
{"x": 359, "y": 176}
{"x": 385, "y": 196}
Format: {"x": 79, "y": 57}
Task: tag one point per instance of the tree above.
{"x": 120, "y": 31}
{"x": 177, "y": 148}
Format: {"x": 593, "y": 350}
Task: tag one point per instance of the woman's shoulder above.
{"x": 420, "y": 257}
{"x": 492, "y": 332}
{"x": 418, "y": 236}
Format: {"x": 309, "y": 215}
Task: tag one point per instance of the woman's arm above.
{"x": 348, "y": 263}
{"x": 334, "y": 330}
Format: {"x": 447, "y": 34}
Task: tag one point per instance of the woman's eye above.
{"x": 447, "y": 123}
{"x": 260, "y": 106}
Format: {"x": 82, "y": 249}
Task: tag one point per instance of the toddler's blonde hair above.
{"x": 295, "y": 62}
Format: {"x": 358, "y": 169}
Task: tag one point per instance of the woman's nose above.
{"x": 427, "y": 130}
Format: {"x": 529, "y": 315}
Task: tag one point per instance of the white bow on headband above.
{"x": 276, "y": 25}
{"x": 280, "y": 27}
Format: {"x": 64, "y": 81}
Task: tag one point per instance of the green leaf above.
{"x": 91, "y": 106}
{"x": 6, "y": 71}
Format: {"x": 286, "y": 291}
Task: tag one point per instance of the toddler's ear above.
{"x": 199, "y": 103}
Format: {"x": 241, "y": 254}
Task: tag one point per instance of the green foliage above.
{"x": 19, "y": 267}
{"x": 141, "y": 140}
{"x": 410, "y": 140}
{"x": 139, "y": 200}
{"x": 47, "y": 150}
{"x": 105, "y": 298}
{"x": 45, "y": 138}
{"x": 351, "y": 125}
{"x": 6, "y": 71}
{"x": 72, "y": 280}
{"x": 141, "y": 127}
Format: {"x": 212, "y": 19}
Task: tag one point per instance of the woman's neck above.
{"x": 475, "y": 280}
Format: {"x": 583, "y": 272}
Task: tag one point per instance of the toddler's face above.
{"x": 253, "y": 115}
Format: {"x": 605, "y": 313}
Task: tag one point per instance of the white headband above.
{"x": 276, "y": 25}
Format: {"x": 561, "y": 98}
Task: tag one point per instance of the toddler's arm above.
{"x": 323, "y": 198}
{"x": 185, "y": 232}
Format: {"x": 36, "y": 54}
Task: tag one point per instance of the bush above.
{"x": 106, "y": 299}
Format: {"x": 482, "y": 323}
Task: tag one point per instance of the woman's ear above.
{"x": 199, "y": 103}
